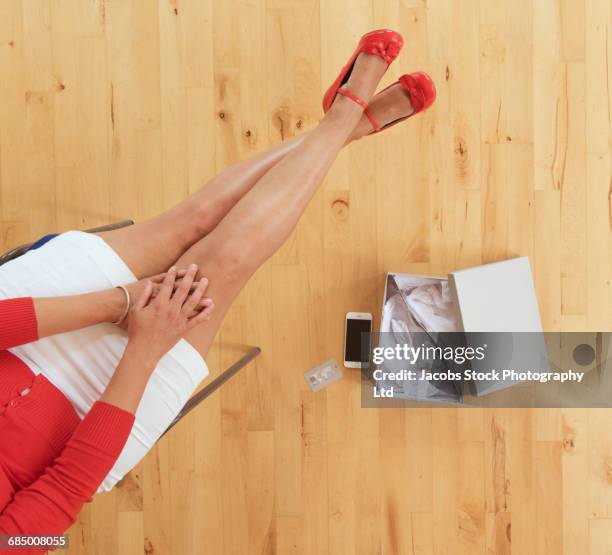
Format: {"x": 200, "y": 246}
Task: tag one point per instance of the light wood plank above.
{"x": 113, "y": 109}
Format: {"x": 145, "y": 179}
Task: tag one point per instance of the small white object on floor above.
{"x": 320, "y": 377}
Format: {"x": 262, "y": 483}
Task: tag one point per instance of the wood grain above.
{"x": 119, "y": 108}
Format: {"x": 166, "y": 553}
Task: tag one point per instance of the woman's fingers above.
{"x": 177, "y": 283}
{"x": 144, "y": 296}
{"x": 193, "y": 301}
{"x": 204, "y": 303}
{"x": 167, "y": 287}
{"x": 208, "y": 309}
{"x": 202, "y": 316}
{"x": 159, "y": 278}
{"x": 180, "y": 295}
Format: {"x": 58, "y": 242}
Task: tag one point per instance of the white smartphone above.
{"x": 356, "y": 323}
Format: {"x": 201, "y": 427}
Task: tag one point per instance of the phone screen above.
{"x": 354, "y": 329}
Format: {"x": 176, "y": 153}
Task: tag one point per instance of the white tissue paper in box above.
{"x": 496, "y": 297}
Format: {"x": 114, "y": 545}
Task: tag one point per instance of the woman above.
{"x": 67, "y": 361}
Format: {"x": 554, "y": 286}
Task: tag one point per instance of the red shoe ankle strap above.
{"x": 372, "y": 120}
{"x": 354, "y": 98}
{"x": 363, "y": 104}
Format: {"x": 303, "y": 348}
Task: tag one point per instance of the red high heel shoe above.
{"x": 384, "y": 43}
{"x": 422, "y": 93}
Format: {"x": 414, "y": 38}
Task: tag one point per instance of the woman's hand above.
{"x": 137, "y": 288}
{"x": 156, "y": 323}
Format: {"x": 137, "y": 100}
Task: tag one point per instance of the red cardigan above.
{"x": 51, "y": 462}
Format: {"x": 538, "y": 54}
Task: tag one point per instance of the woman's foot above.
{"x": 362, "y": 82}
{"x": 353, "y": 81}
{"x": 387, "y": 106}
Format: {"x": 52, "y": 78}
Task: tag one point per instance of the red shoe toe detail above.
{"x": 422, "y": 91}
{"x": 384, "y": 43}
{"x": 421, "y": 88}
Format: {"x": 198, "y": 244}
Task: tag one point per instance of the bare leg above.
{"x": 152, "y": 246}
{"x": 262, "y": 220}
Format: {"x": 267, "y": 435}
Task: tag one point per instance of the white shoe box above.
{"x": 496, "y": 297}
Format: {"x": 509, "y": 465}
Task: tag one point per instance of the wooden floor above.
{"x": 119, "y": 108}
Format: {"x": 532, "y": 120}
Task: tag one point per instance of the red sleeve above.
{"x": 51, "y": 504}
{"x": 18, "y": 323}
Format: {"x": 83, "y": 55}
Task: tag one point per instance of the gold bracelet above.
{"x": 128, "y": 302}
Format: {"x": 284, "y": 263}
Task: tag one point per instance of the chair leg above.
{"x": 110, "y": 227}
{"x": 22, "y": 249}
{"x": 207, "y": 391}
{"x": 14, "y": 253}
